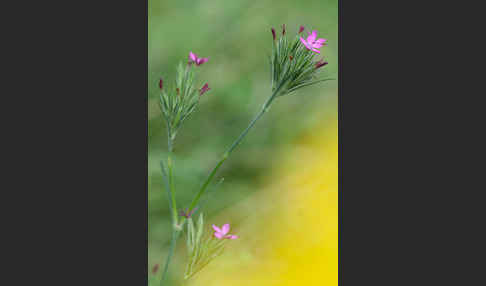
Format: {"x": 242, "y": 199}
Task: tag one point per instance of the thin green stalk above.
{"x": 233, "y": 146}
{"x": 175, "y": 231}
{"x": 170, "y": 175}
{"x": 173, "y": 242}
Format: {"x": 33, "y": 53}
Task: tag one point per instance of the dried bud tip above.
{"x": 155, "y": 268}
{"x": 178, "y": 91}
{"x": 161, "y": 83}
{"x": 301, "y": 29}
{"x": 321, "y": 64}
{"x": 283, "y": 30}
{"x": 273, "y": 34}
{"x": 187, "y": 214}
{"x": 291, "y": 58}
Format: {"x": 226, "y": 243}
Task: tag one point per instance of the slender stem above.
{"x": 173, "y": 242}
{"x": 175, "y": 231}
{"x": 232, "y": 147}
{"x": 170, "y": 175}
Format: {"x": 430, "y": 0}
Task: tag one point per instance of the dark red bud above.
{"x": 301, "y": 29}
{"x": 273, "y": 34}
{"x": 155, "y": 268}
{"x": 204, "y": 89}
{"x": 291, "y": 58}
{"x": 320, "y": 64}
{"x": 161, "y": 83}
{"x": 283, "y": 30}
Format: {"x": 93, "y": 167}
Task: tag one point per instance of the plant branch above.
{"x": 264, "y": 109}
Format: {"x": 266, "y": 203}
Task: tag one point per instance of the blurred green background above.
{"x": 236, "y": 37}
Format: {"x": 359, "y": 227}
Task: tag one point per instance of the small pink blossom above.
{"x": 204, "y": 89}
{"x": 311, "y": 43}
{"x": 193, "y": 58}
{"x": 222, "y": 233}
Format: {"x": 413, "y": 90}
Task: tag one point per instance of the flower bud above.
{"x": 283, "y": 30}
{"x": 273, "y": 34}
{"x": 161, "y": 83}
{"x": 321, "y": 63}
{"x": 204, "y": 89}
{"x": 301, "y": 29}
{"x": 155, "y": 269}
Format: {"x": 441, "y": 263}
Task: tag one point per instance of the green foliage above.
{"x": 180, "y": 101}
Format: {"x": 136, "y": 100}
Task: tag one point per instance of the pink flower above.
{"x": 221, "y": 233}
{"x": 193, "y": 58}
{"x": 204, "y": 89}
{"x": 301, "y": 29}
{"x": 311, "y": 43}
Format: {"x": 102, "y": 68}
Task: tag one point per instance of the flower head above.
{"x": 204, "y": 89}
{"x": 222, "y": 233}
{"x": 311, "y": 43}
{"x": 301, "y": 29}
{"x": 193, "y": 58}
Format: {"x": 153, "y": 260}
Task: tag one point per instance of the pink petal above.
{"x": 192, "y": 57}
{"x": 231, "y": 236}
{"x": 317, "y": 51}
{"x": 305, "y": 43}
{"x": 321, "y": 41}
{"x": 316, "y": 45}
{"x": 216, "y": 228}
{"x": 312, "y": 37}
{"x": 203, "y": 60}
{"x": 218, "y": 235}
{"x": 225, "y": 229}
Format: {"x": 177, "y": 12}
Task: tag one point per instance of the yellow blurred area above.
{"x": 290, "y": 233}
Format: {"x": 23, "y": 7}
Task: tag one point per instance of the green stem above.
{"x": 173, "y": 242}
{"x": 175, "y": 231}
{"x": 232, "y": 147}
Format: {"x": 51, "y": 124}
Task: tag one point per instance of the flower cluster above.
{"x": 293, "y": 62}
{"x": 180, "y": 101}
{"x": 202, "y": 247}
